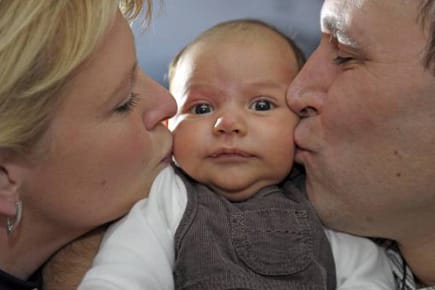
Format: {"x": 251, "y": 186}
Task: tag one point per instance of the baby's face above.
{"x": 233, "y": 130}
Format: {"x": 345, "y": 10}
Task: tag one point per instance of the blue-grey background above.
{"x": 177, "y": 22}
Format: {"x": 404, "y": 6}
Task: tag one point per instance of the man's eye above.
{"x": 261, "y": 105}
{"x": 203, "y": 108}
{"x": 342, "y": 60}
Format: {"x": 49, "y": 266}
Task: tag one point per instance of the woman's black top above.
{"x": 9, "y": 282}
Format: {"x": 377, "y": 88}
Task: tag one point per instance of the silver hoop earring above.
{"x": 12, "y": 223}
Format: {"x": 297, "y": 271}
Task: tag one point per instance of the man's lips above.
{"x": 229, "y": 153}
{"x": 302, "y": 146}
{"x": 307, "y": 135}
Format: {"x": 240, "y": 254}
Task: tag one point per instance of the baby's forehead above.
{"x": 246, "y": 32}
{"x": 240, "y": 31}
{"x": 252, "y": 46}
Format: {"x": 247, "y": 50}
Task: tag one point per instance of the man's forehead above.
{"x": 344, "y": 9}
{"x": 336, "y": 17}
{"x": 373, "y": 25}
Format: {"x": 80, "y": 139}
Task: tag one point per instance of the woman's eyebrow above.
{"x": 127, "y": 79}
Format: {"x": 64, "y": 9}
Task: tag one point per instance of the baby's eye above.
{"x": 262, "y": 105}
{"x": 202, "y": 108}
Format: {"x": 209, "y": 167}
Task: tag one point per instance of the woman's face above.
{"x": 105, "y": 144}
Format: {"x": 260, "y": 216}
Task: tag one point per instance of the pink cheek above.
{"x": 132, "y": 151}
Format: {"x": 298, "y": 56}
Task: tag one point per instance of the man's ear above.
{"x": 9, "y": 185}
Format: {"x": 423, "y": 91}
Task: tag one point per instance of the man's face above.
{"x": 368, "y": 143}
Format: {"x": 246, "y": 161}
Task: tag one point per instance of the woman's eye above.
{"x": 128, "y": 105}
{"x": 203, "y": 108}
{"x": 262, "y": 105}
{"x": 342, "y": 59}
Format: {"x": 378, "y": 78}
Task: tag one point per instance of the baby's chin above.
{"x": 236, "y": 195}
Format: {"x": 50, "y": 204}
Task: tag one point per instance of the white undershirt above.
{"x": 138, "y": 252}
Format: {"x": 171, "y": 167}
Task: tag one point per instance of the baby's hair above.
{"x": 235, "y": 26}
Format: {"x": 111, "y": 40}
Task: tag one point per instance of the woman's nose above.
{"x": 230, "y": 125}
{"x": 161, "y": 108}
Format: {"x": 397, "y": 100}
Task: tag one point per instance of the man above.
{"x": 367, "y": 135}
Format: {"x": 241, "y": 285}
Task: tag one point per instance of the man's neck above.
{"x": 420, "y": 257}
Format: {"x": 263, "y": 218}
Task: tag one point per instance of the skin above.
{"x": 368, "y": 108}
{"x": 232, "y": 109}
{"x": 98, "y": 156}
{"x": 65, "y": 269}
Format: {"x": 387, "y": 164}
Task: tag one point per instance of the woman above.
{"x": 80, "y": 127}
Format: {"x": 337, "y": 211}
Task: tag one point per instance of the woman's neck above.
{"x": 28, "y": 247}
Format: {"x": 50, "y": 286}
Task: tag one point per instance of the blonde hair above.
{"x": 41, "y": 43}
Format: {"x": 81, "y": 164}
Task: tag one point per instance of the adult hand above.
{"x": 66, "y": 268}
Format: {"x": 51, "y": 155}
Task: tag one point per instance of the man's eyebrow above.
{"x": 336, "y": 27}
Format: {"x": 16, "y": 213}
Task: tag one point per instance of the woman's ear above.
{"x": 9, "y": 186}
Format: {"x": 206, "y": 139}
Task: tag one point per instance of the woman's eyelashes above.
{"x": 128, "y": 105}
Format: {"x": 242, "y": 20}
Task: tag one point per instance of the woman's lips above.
{"x": 167, "y": 159}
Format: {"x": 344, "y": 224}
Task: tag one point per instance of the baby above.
{"x": 231, "y": 214}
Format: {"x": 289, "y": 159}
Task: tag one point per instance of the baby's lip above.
{"x": 230, "y": 152}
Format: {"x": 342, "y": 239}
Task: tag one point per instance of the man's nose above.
{"x": 307, "y": 92}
